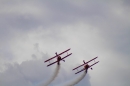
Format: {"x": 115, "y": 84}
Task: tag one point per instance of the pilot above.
{"x": 86, "y": 67}
{"x": 58, "y": 59}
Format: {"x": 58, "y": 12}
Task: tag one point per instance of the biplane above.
{"x": 58, "y": 58}
{"x": 86, "y": 66}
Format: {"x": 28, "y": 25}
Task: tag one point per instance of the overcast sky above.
{"x": 32, "y": 31}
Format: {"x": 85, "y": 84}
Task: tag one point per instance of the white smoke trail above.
{"x": 76, "y": 81}
{"x": 53, "y": 76}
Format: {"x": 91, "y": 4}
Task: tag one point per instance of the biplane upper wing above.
{"x": 84, "y": 68}
{"x": 85, "y": 63}
{"x": 58, "y": 54}
{"x": 60, "y": 60}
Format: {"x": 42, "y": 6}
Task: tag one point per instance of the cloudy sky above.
{"x": 31, "y": 31}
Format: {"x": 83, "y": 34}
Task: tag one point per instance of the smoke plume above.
{"x": 76, "y": 81}
{"x": 53, "y": 76}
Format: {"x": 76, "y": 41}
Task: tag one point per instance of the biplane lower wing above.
{"x": 94, "y": 64}
{"x": 66, "y": 56}
{"x": 89, "y": 67}
{"x": 52, "y": 63}
{"x": 58, "y": 54}
{"x": 85, "y": 63}
{"x": 79, "y": 71}
{"x": 60, "y": 60}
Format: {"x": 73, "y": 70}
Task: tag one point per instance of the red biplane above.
{"x": 86, "y": 66}
{"x": 58, "y": 58}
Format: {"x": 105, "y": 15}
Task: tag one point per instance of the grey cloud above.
{"x": 108, "y": 19}
{"x": 29, "y": 73}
